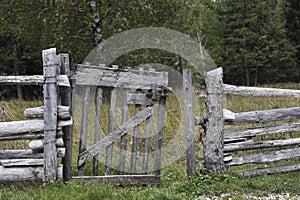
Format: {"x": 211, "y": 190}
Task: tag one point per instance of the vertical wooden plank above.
{"x": 189, "y": 123}
{"x": 112, "y": 119}
{"x": 213, "y": 142}
{"x": 84, "y": 125}
{"x": 99, "y": 101}
{"x": 135, "y": 138}
{"x": 66, "y": 100}
{"x": 159, "y": 133}
{"x": 147, "y": 143}
{"x": 123, "y": 143}
{"x": 50, "y": 66}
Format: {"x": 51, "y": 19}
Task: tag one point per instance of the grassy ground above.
{"x": 175, "y": 184}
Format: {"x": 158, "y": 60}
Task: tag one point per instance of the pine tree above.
{"x": 256, "y": 47}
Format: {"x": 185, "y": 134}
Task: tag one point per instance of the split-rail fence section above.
{"x": 52, "y": 136}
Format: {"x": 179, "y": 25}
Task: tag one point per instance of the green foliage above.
{"x": 255, "y": 42}
{"x": 256, "y": 46}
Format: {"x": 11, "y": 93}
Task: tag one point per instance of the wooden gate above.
{"x": 139, "y": 88}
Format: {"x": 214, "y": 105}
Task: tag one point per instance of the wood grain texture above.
{"x": 66, "y": 100}
{"x": 161, "y": 114}
{"x": 99, "y": 102}
{"x": 147, "y": 145}
{"x": 38, "y": 112}
{"x": 261, "y": 116}
{"x": 123, "y": 143}
{"x": 111, "y": 127}
{"x": 84, "y": 125}
{"x": 62, "y": 80}
{"x": 21, "y": 162}
{"x": 133, "y": 79}
{"x": 213, "y": 138}
{"x": 270, "y": 170}
{"x": 30, "y": 127}
{"x": 188, "y": 123}
{"x": 266, "y": 157}
{"x": 261, "y": 130}
{"x": 135, "y": 139}
{"x": 13, "y": 174}
{"x": 106, "y": 141}
{"x": 250, "y": 145}
{"x": 260, "y": 92}
{"x": 51, "y": 71}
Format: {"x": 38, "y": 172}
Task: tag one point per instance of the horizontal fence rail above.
{"x": 244, "y": 140}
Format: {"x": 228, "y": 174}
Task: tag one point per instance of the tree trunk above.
{"x": 97, "y": 22}
{"x": 16, "y": 67}
{"x": 246, "y": 67}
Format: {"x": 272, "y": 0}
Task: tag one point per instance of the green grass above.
{"x": 175, "y": 184}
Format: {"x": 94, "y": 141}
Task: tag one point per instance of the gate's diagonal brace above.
{"x": 106, "y": 141}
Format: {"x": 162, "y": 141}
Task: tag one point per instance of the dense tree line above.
{"x": 254, "y": 41}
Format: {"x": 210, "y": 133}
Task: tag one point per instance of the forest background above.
{"x": 255, "y": 41}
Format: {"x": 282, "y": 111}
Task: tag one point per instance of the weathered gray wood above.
{"x": 133, "y": 79}
{"x": 228, "y": 116}
{"x": 13, "y": 174}
{"x": 84, "y": 126}
{"x": 213, "y": 138}
{"x": 66, "y": 100}
{"x": 266, "y": 116}
{"x": 23, "y": 136}
{"x": 123, "y": 142}
{"x": 142, "y": 99}
{"x": 147, "y": 145}
{"x": 106, "y": 141}
{"x": 124, "y": 180}
{"x": 62, "y": 80}
{"x": 51, "y": 68}
{"x": 266, "y": 157}
{"x": 260, "y": 92}
{"x": 12, "y": 154}
{"x": 39, "y": 144}
{"x": 14, "y": 128}
{"x": 111, "y": 127}
{"x": 18, "y": 127}
{"x": 270, "y": 170}
{"x": 22, "y": 162}
{"x": 135, "y": 137}
{"x": 38, "y": 112}
{"x": 250, "y": 145}
{"x": 261, "y": 130}
{"x": 159, "y": 133}
{"x": 99, "y": 101}
{"x": 188, "y": 123}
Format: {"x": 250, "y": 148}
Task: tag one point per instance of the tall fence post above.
{"x": 66, "y": 100}
{"x": 189, "y": 123}
{"x": 213, "y": 142}
{"x": 51, "y": 70}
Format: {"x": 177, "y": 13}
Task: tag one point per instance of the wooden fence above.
{"x": 133, "y": 163}
{"x": 220, "y": 144}
{"x": 51, "y": 136}
{"x": 48, "y": 136}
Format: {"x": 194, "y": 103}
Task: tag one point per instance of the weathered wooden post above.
{"x": 213, "y": 142}
{"x": 189, "y": 123}
{"x": 66, "y": 100}
{"x": 51, "y": 70}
